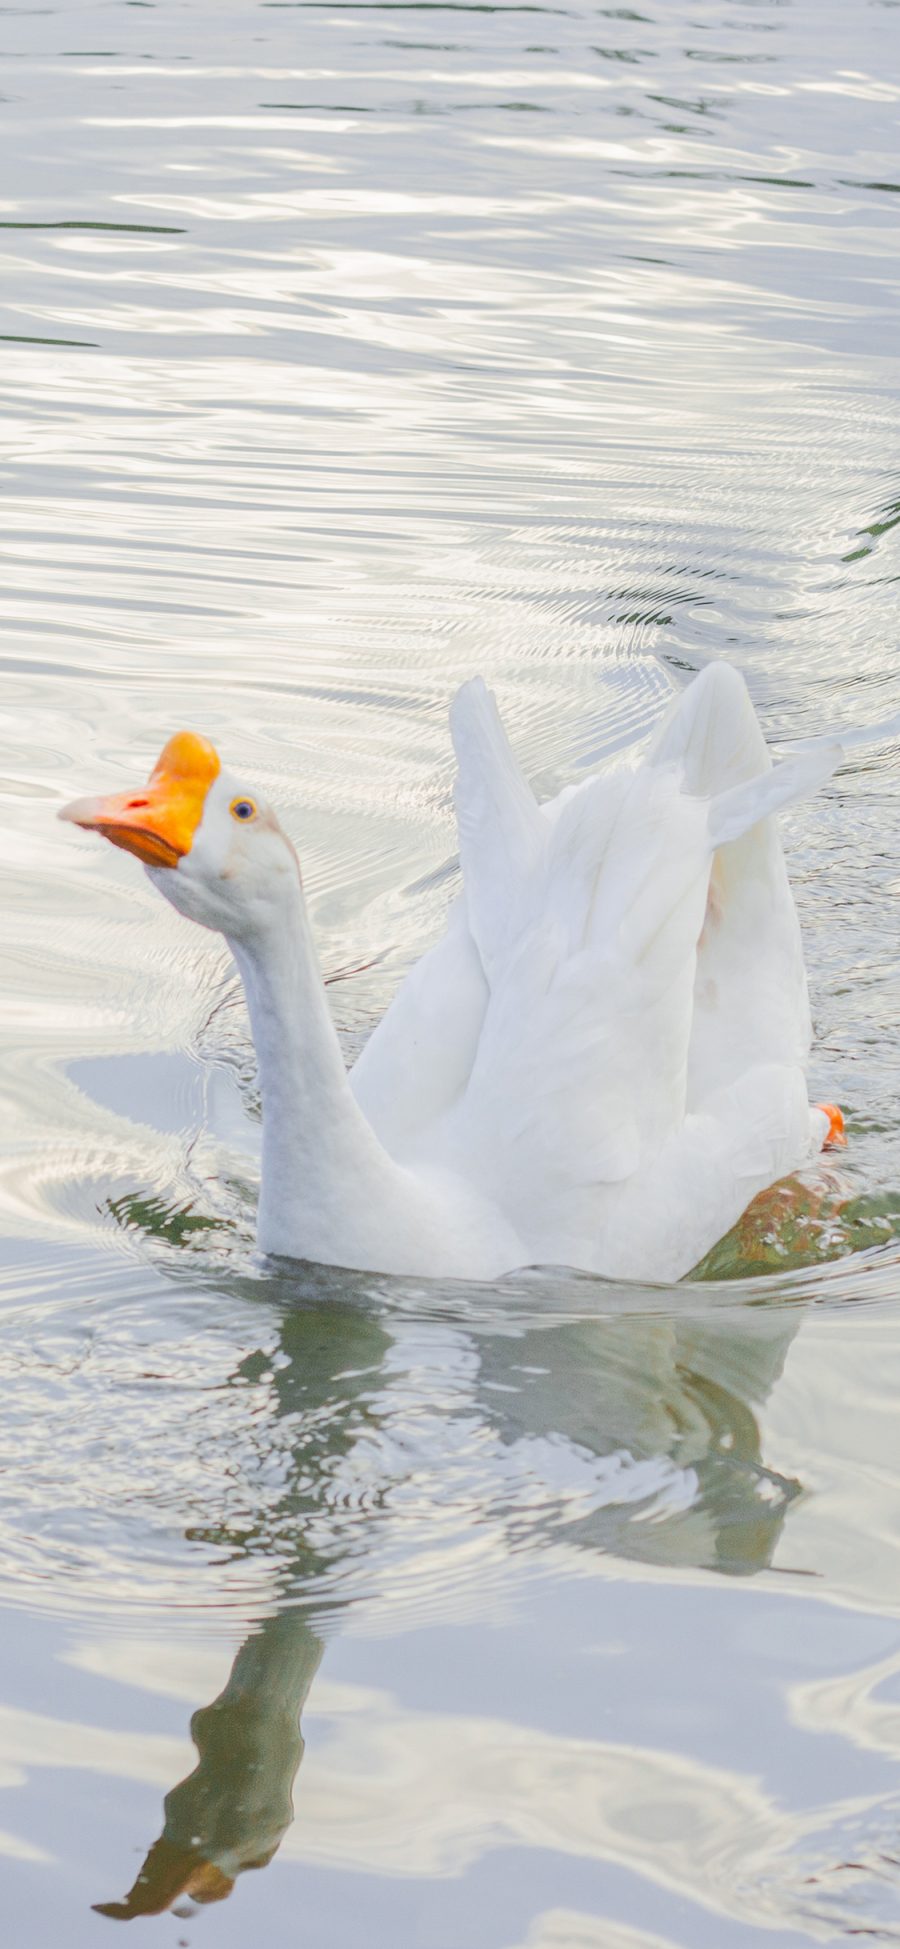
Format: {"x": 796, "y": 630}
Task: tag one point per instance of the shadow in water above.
{"x": 628, "y": 1435}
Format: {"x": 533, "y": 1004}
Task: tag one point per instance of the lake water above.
{"x": 347, "y": 350}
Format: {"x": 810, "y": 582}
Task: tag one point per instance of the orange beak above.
{"x": 159, "y": 823}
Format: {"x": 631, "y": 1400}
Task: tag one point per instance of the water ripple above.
{"x": 352, "y": 349}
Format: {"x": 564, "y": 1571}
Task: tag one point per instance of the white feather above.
{"x": 610, "y": 1042}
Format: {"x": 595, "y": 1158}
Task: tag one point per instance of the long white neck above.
{"x": 329, "y": 1191}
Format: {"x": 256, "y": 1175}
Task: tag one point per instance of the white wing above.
{"x": 419, "y": 1058}
{"x": 579, "y": 1099}
{"x": 609, "y": 1041}
{"x": 751, "y": 998}
{"x": 502, "y": 836}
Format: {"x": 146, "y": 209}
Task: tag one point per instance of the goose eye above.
{"x": 243, "y": 809}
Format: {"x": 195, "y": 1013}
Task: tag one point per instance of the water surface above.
{"x": 348, "y": 350}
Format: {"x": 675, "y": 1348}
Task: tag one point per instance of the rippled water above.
{"x": 348, "y": 350}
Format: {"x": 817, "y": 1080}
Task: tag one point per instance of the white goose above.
{"x": 600, "y": 1064}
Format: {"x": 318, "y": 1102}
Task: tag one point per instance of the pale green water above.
{"x": 347, "y": 350}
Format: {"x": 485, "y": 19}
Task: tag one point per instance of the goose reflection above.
{"x": 629, "y": 1435}
{"x": 233, "y": 1811}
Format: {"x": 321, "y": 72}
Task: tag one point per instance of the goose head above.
{"x": 211, "y": 844}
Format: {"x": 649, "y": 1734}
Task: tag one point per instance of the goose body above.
{"x": 601, "y": 1063}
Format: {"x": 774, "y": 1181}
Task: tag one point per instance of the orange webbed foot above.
{"x": 836, "y": 1137}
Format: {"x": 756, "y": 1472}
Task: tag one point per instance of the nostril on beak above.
{"x": 134, "y": 805}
